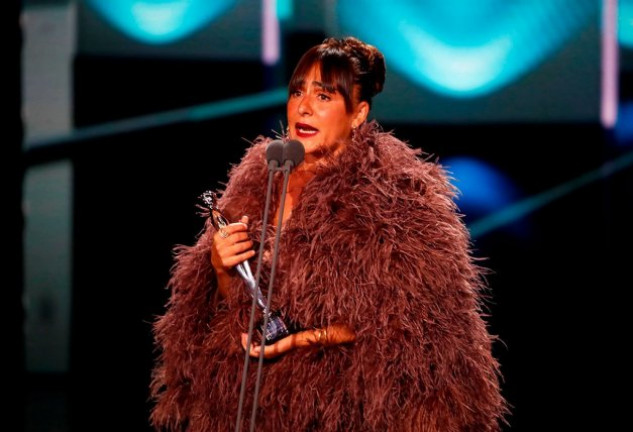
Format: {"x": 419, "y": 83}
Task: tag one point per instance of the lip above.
{"x": 301, "y": 134}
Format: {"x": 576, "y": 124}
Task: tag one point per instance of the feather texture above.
{"x": 375, "y": 242}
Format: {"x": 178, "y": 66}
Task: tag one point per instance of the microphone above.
{"x": 293, "y": 154}
{"x": 274, "y": 154}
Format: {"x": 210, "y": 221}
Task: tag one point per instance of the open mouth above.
{"x": 305, "y": 131}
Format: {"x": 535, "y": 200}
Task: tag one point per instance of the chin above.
{"x": 309, "y": 147}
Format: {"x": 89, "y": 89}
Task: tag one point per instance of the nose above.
{"x": 304, "y": 107}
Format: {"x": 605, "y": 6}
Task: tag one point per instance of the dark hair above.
{"x": 344, "y": 63}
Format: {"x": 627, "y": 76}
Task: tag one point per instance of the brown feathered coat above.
{"x": 375, "y": 243}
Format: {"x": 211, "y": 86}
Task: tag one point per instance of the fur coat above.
{"x": 376, "y": 243}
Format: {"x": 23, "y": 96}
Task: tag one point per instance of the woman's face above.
{"x": 318, "y": 118}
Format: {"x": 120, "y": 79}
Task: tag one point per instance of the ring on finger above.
{"x": 224, "y": 233}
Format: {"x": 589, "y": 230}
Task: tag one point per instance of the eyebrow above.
{"x": 324, "y": 86}
{"x": 327, "y": 87}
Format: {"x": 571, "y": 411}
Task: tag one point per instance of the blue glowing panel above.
{"x": 624, "y": 125}
{"x": 160, "y": 21}
{"x": 483, "y": 188}
{"x": 219, "y": 29}
{"x": 625, "y": 23}
{"x": 460, "y": 61}
{"x": 466, "y": 48}
{"x": 284, "y": 9}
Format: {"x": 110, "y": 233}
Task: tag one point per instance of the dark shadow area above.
{"x": 12, "y": 179}
{"x": 135, "y": 198}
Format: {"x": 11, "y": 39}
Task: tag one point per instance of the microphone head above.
{"x": 275, "y": 153}
{"x": 293, "y": 153}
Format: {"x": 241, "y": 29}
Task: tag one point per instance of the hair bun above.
{"x": 372, "y": 61}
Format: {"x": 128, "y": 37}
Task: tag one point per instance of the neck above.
{"x": 299, "y": 177}
{"x": 322, "y": 156}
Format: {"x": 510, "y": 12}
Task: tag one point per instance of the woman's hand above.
{"x": 332, "y": 335}
{"x": 231, "y": 246}
{"x": 278, "y": 348}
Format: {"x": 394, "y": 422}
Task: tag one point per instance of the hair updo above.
{"x": 344, "y": 63}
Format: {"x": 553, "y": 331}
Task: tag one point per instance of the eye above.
{"x": 324, "y": 97}
{"x": 296, "y": 93}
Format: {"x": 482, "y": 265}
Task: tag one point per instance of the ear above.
{"x": 362, "y": 111}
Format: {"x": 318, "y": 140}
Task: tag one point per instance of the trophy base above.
{"x": 275, "y": 329}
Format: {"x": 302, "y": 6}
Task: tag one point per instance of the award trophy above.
{"x": 275, "y": 327}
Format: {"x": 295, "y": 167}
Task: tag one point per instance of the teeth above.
{"x": 306, "y": 131}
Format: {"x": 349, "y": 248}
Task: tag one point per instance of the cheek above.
{"x": 289, "y": 109}
{"x": 337, "y": 120}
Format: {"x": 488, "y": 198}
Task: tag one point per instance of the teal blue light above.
{"x": 483, "y": 188}
{"x": 213, "y": 110}
{"x": 160, "y": 21}
{"x": 284, "y": 10}
{"x": 625, "y": 23}
{"x": 520, "y": 209}
{"x": 465, "y": 48}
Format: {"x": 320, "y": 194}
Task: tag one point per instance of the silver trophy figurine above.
{"x": 275, "y": 327}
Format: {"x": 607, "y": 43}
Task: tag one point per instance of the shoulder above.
{"x": 252, "y": 164}
{"x": 246, "y": 179}
{"x": 254, "y": 155}
{"x": 392, "y": 160}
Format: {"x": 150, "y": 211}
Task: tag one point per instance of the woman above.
{"x": 374, "y": 271}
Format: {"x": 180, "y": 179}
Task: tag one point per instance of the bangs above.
{"x": 336, "y": 73}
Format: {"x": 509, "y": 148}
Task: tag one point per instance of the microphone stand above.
{"x": 286, "y": 171}
{"x": 293, "y": 153}
{"x": 272, "y": 168}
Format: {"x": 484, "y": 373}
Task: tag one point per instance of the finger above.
{"x": 278, "y": 348}
{"x": 220, "y": 235}
{"x": 230, "y": 254}
{"x": 230, "y": 230}
{"x": 238, "y": 237}
{"x": 269, "y": 350}
{"x": 233, "y": 260}
{"x": 230, "y": 249}
{"x": 227, "y": 249}
{"x": 245, "y": 341}
{"x": 238, "y": 226}
{"x": 224, "y": 242}
{"x": 255, "y": 349}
